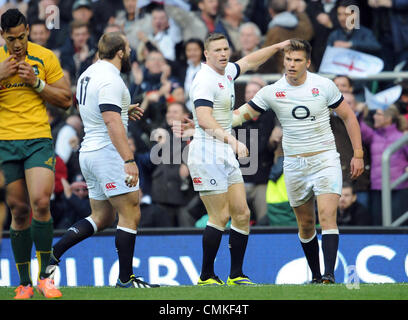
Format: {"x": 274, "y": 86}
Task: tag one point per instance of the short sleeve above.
{"x": 258, "y": 102}
{"x": 110, "y": 93}
{"x": 334, "y": 96}
{"x": 202, "y": 91}
{"x": 233, "y": 70}
{"x": 53, "y": 70}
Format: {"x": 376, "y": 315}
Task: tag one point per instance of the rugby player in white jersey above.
{"x": 212, "y": 161}
{"x": 302, "y": 103}
{"x": 106, "y": 161}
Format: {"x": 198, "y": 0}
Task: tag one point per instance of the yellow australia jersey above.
{"x": 22, "y": 110}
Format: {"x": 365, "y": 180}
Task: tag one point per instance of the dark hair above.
{"x": 278, "y": 5}
{"x": 299, "y": 45}
{"x": 213, "y": 37}
{"x": 38, "y": 21}
{"x": 346, "y": 3}
{"x": 350, "y": 81}
{"x": 12, "y": 18}
{"x": 198, "y": 42}
{"x": 349, "y": 184}
{"x": 109, "y": 44}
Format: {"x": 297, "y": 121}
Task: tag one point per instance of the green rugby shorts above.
{"x": 16, "y": 156}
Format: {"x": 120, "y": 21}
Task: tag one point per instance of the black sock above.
{"x": 237, "y": 245}
{"x": 125, "y": 246}
{"x": 75, "y": 234}
{"x": 330, "y": 245}
{"x": 211, "y": 243}
{"x": 311, "y": 250}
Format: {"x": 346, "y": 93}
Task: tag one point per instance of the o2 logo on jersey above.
{"x": 300, "y": 112}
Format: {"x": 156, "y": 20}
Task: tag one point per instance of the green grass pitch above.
{"x": 397, "y": 291}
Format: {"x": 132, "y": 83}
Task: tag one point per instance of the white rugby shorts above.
{"x": 104, "y": 173}
{"x": 213, "y": 167}
{"x": 314, "y": 175}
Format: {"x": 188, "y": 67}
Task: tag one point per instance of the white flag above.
{"x": 342, "y": 61}
{"x": 382, "y": 100}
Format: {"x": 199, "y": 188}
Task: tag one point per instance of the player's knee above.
{"x": 327, "y": 219}
{"x": 20, "y": 213}
{"x": 41, "y": 205}
{"x": 306, "y": 225}
{"x": 241, "y": 217}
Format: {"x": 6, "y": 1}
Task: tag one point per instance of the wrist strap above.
{"x": 130, "y": 161}
{"x": 39, "y": 85}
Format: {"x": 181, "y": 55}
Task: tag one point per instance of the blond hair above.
{"x": 299, "y": 45}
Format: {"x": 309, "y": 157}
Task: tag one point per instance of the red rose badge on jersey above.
{"x": 315, "y": 92}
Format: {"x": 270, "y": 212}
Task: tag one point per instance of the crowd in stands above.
{"x": 166, "y": 38}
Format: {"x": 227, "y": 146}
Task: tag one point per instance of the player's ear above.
{"x": 120, "y": 53}
{"x": 308, "y": 63}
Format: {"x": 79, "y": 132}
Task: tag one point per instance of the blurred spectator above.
{"x": 262, "y": 151}
{"x": 348, "y": 36}
{"x": 78, "y": 52}
{"x": 56, "y": 121}
{"x": 249, "y": 38}
{"x": 279, "y": 212}
{"x": 171, "y": 184}
{"x": 77, "y": 205}
{"x": 104, "y": 13}
{"x": 388, "y": 127}
{"x": 208, "y": 13}
{"x": 57, "y": 204}
{"x": 390, "y": 25}
{"x": 67, "y": 145}
{"x": 190, "y": 24}
{"x": 252, "y": 10}
{"x": 21, "y": 5}
{"x": 152, "y": 85}
{"x": 39, "y": 33}
{"x": 323, "y": 16}
{"x": 231, "y": 18}
{"x": 344, "y": 147}
{"x": 350, "y": 212}
{"x": 152, "y": 215}
{"x": 194, "y": 53}
{"x": 83, "y": 11}
{"x": 55, "y": 20}
{"x": 133, "y": 20}
{"x": 145, "y": 167}
{"x": 344, "y": 83}
{"x": 284, "y": 25}
{"x": 402, "y": 102}
{"x": 163, "y": 33}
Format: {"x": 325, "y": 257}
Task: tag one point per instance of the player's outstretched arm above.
{"x": 255, "y": 59}
{"x": 353, "y": 129}
{"x": 242, "y": 114}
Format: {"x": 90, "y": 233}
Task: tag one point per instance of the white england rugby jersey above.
{"x": 209, "y": 88}
{"x": 303, "y": 112}
{"x": 100, "y": 88}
